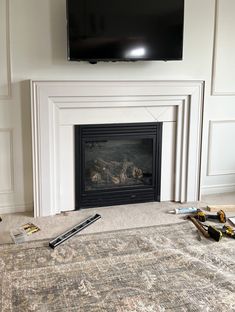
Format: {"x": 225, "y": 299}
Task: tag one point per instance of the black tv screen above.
{"x": 125, "y": 30}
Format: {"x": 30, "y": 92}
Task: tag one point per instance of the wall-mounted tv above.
{"x": 125, "y": 30}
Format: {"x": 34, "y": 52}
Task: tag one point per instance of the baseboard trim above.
{"x": 217, "y": 189}
{"x": 16, "y": 208}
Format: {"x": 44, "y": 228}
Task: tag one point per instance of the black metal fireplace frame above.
{"x": 124, "y": 194}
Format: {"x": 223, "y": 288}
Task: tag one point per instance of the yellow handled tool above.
{"x": 202, "y": 216}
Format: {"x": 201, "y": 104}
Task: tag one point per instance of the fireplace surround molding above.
{"x": 56, "y": 106}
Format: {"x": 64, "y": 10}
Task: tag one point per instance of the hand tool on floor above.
{"x": 199, "y": 226}
{"x": 214, "y": 233}
{"x": 225, "y": 208}
{"x": 228, "y": 231}
{"x": 202, "y": 216}
{"x": 208, "y": 231}
{"x": 73, "y": 231}
{"x": 217, "y": 233}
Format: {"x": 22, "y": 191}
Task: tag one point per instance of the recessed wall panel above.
{"x": 6, "y": 164}
{"x": 4, "y": 50}
{"x": 221, "y": 153}
{"x": 224, "y": 49}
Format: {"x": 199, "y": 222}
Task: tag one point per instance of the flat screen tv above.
{"x": 125, "y": 30}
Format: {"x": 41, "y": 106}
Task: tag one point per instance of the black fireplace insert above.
{"x": 117, "y": 164}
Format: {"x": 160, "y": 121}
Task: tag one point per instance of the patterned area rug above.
{"x": 162, "y": 268}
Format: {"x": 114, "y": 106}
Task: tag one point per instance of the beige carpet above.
{"x": 153, "y": 269}
{"x": 113, "y": 218}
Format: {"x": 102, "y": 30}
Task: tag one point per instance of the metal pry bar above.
{"x": 73, "y": 231}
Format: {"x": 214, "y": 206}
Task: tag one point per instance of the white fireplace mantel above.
{"x": 58, "y": 105}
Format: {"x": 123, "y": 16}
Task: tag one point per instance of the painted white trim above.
{"x": 4, "y": 209}
{"x": 210, "y": 171}
{"x": 49, "y": 97}
{"x": 217, "y": 189}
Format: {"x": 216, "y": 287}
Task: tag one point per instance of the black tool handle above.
{"x": 212, "y": 217}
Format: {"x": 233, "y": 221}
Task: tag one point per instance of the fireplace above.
{"x": 117, "y": 164}
{"x": 57, "y": 106}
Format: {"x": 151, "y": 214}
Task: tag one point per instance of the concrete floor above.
{"x": 112, "y": 218}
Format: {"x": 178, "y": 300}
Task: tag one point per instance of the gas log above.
{"x": 114, "y": 172}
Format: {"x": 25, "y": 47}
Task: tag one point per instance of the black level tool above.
{"x": 73, "y": 231}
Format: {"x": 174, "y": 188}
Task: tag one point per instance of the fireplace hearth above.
{"x": 117, "y": 164}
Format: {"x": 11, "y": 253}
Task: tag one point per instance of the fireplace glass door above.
{"x": 117, "y": 164}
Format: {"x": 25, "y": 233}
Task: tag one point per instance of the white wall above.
{"x": 33, "y": 46}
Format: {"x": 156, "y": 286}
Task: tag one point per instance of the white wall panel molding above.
{"x": 55, "y": 103}
{"x": 6, "y": 161}
{"x": 217, "y": 189}
{"x": 223, "y": 71}
{"x": 16, "y": 208}
{"x": 221, "y": 150}
{"x": 5, "y": 64}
